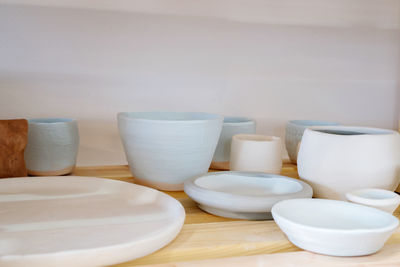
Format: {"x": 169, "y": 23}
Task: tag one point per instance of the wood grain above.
{"x": 206, "y": 238}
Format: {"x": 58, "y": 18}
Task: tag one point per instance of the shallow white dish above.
{"x": 243, "y": 195}
{"x": 336, "y": 228}
{"x": 82, "y": 221}
{"x": 377, "y": 198}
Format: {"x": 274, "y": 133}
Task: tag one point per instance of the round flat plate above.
{"x": 243, "y": 195}
{"x": 82, "y": 221}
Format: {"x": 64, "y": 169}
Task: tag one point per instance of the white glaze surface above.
{"x": 256, "y": 153}
{"x": 377, "y": 198}
{"x": 332, "y": 227}
{"x": 165, "y": 148}
{"x": 82, "y": 221}
{"x": 335, "y": 160}
{"x": 245, "y": 195}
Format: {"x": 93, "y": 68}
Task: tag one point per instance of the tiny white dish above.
{"x": 377, "y": 198}
{"x": 82, "y": 221}
{"x": 332, "y": 227}
{"x": 243, "y": 195}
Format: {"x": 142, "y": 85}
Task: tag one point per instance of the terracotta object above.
{"x": 13, "y": 139}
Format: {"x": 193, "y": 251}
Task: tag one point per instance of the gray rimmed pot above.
{"x": 294, "y": 133}
{"x": 230, "y": 127}
{"x": 52, "y": 146}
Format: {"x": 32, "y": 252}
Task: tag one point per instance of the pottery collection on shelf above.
{"x": 173, "y": 151}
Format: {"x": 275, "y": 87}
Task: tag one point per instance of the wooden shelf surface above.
{"x": 217, "y": 241}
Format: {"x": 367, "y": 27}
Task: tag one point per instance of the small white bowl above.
{"x": 332, "y": 227}
{"x": 244, "y": 195}
{"x": 377, "y": 198}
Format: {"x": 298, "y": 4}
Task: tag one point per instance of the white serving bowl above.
{"x": 165, "y": 148}
{"x": 377, "y": 198}
{"x": 244, "y": 195}
{"x": 335, "y": 160}
{"x": 332, "y": 227}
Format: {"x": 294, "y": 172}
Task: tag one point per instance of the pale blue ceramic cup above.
{"x": 230, "y": 127}
{"x": 294, "y": 133}
{"x": 163, "y": 149}
{"x": 52, "y": 146}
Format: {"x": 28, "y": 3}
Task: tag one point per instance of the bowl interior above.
{"x": 170, "y": 116}
{"x": 236, "y": 120}
{"x": 376, "y": 194}
{"x": 348, "y": 130}
{"x": 50, "y": 120}
{"x": 332, "y": 214}
{"x": 313, "y": 123}
{"x": 255, "y": 137}
{"x": 248, "y": 184}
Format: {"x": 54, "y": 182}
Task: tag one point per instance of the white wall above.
{"x": 271, "y": 60}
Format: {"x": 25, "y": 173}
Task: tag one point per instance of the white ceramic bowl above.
{"x": 244, "y": 195}
{"x": 335, "y": 160}
{"x": 332, "y": 227}
{"x": 165, "y": 148}
{"x": 231, "y": 126}
{"x": 377, "y": 198}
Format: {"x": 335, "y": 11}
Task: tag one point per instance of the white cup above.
{"x": 259, "y": 153}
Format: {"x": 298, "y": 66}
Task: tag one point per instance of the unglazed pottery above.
{"x": 335, "y": 160}
{"x": 165, "y": 148}
{"x": 13, "y": 139}
{"x": 52, "y": 146}
{"x": 243, "y": 195}
{"x": 332, "y": 227}
{"x": 82, "y": 221}
{"x": 231, "y": 127}
{"x": 294, "y": 132}
{"x": 258, "y": 153}
{"x": 377, "y": 198}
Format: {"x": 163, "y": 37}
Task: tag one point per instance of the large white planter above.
{"x": 335, "y": 160}
{"x": 165, "y": 148}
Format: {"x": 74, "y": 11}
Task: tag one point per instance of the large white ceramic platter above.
{"x": 333, "y": 227}
{"x": 243, "y": 195}
{"x": 82, "y": 221}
